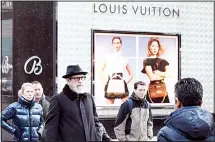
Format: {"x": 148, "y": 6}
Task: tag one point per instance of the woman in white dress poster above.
{"x": 115, "y": 86}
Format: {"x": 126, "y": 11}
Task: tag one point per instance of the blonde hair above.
{"x": 161, "y": 48}
{"x": 21, "y": 91}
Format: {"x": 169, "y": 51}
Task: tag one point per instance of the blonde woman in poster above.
{"x": 115, "y": 86}
{"x": 157, "y": 70}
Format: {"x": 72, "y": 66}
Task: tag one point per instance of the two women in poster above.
{"x": 148, "y": 63}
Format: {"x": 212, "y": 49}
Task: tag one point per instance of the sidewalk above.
{"x": 153, "y": 139}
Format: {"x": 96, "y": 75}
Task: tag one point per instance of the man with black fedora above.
{"x": 72, "y": 113}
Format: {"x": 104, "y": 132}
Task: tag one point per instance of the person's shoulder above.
{"x": 203, "y": 110}
{"x": 127, "y": 101}
{"x": 168, "y": 132}
{"x": 206, "y": 114}
{"x": 164, "y": 61}
{"x": 165, "y": 129}
{"x": 14, "y": 105}
{"x": 148, "y": 104}
{"x": 89, "y": 95}
{"x": 45, "y": 101}
{"x": 163, "y": 133}
{"x": 125, "y": 105}
{"x": 56, "y": 97}
{"x": 47, "y": 98}
{"x": 148, "y": 60}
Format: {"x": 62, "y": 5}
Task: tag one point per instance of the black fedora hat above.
{"x": 73, "y": 70}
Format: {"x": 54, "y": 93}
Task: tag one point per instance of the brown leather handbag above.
{"x": 157, "y": 89}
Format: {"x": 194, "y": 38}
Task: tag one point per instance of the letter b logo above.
{"x": 36, "y": 67}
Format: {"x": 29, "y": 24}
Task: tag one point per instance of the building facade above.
{"x": 39, "y": 39}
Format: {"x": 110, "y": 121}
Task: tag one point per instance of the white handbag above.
{"x": 116, "y": 87}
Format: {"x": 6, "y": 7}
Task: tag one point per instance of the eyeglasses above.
{"x": 78, "y": 78}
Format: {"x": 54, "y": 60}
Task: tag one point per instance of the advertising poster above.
{"x": 121, "y": 58}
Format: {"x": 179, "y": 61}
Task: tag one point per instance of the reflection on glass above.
{"x": 6, "y": 58}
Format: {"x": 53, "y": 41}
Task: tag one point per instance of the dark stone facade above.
{"x": 33, "y": 34}
{"x": 34, "y": 40}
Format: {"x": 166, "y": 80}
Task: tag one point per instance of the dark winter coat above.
{"x": 45, "y": 105}
{"x": 135, "y": 124}
{"x": 188, "y": 124}
{"x": 27, "y": 119}
{"x": 72, "y": 117}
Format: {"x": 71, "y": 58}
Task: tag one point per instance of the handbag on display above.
{"x": 116, "y": 87}
{"x": 157, "y": 89}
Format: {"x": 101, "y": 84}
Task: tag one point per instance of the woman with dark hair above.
{"x": 157, "y": 70}
{"x": 26, "y": 115}
{"x": 115, "y": 64}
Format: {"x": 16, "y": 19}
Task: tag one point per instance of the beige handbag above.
{"x": 116, "y": 87}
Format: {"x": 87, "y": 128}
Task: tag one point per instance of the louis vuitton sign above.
{"x": 141, "y": 10}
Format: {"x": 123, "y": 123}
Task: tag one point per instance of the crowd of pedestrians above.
{"x": 71, "y": 115}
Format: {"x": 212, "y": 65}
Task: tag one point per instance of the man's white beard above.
{"x": 79, "y": 89}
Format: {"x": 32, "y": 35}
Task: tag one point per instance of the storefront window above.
{"x": 6, "y": 52}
